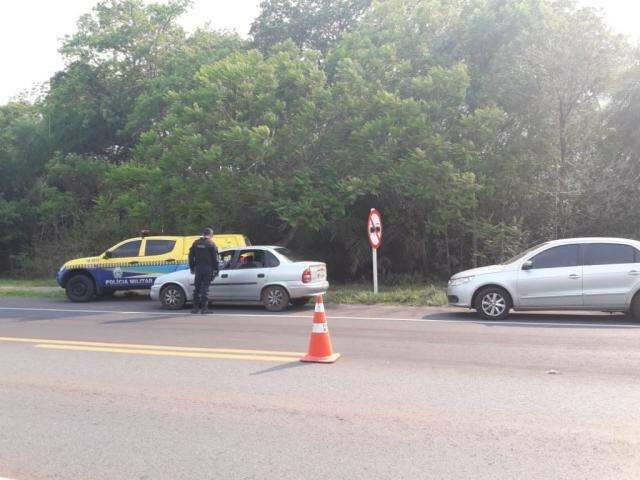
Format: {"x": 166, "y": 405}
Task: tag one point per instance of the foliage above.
{"x": 314, "y": 24}
{"x": 477, "y": 127}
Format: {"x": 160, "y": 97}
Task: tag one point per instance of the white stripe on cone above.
{"x": 319, "y": 307}
{"x": 320, "y": 328}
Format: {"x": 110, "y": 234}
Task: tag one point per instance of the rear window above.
{"x": 158, "y": 247}
{"x": 609, "y": 254}
{"x": 289, "y": 255}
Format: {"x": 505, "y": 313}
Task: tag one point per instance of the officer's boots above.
{"x": 205, "y": 308}
{"x": 196, "y": 306}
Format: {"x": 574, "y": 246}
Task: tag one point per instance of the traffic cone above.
{"x": 320, "y": 350}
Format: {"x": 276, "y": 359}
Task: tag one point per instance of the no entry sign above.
{"x": 374, "y": 228}
{"x": 374, "y": 234}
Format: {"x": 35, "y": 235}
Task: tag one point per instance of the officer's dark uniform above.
{"x": 203, "y": 261}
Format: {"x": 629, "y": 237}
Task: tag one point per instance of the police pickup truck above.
{"x": 132, "y": 264}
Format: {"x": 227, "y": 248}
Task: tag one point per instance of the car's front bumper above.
{"x": 460, "y": 295}
{"x": 154, "y": 293}
{"x": 60, "y": 276}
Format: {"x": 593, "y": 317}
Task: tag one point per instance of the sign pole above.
{"x": 374, "y": 235}
{"x": 374, "y": 253}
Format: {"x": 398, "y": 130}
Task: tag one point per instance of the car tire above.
{"x": 634, "y": 310}
{"x": 172, "y": 297}
{"x": 300, "y": 302}
{"x": 80, "y": 288}
{"x": 275, "y": 298}
{"x": 493, "y": 303}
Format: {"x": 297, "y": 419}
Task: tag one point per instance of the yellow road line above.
{"x": 167, "y": 353}
{"x": 231, "y": 351}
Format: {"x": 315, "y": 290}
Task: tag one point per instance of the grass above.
{"x": 35, "y": 287}
{"x": 413, "y": 293}
{"x": 26, "y": 283}
{"x": 19, "y": 292}
{"x": 418, "y": 295}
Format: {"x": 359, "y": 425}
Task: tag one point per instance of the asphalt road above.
{"x": 120, "y": 389}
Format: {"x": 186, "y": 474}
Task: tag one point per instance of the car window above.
{"x": 129, "y": 249}
{"x": 288, "y": 254}
{"x": 556, "y": 257}
{"x": 250, "y": 259}
{"x": 158, "y": 247}
{"x": 608, "y": 254}
{"x": 270, "y": 260}
{"x": 225, "y": 258}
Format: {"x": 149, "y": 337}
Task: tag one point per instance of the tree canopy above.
{"x": 477, "y": 127}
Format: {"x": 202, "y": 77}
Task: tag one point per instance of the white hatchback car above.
{"x": 270, "y": 275}
{"x": 574, "y": 274}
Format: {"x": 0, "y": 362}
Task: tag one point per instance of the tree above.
{"x": 314, "y": 24}
{"x": 477, "y": 127}
{"x": 23, "y": 154}
{"x": 549, "y": 66}
{"x": 117, "y": 52}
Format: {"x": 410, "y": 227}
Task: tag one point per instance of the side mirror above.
{"x": 528, "y": 265}
{"x": 107, "y": 254}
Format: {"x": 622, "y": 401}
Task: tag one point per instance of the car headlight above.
{"x": 455, "y": 282}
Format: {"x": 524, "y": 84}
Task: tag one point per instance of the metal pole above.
{"x": 374, "y": 253}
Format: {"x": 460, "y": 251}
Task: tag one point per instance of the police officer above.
{"x": 203, "y": 261}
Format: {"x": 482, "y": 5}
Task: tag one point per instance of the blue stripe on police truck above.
{"x": 123, "y": 277}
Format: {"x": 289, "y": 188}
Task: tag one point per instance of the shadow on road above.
{"x": 277, "y": 368}
{"x": 544, "y": 320}
{"x": 137, "y": 320}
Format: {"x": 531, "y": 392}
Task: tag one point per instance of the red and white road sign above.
{"x": 374, "y": 228}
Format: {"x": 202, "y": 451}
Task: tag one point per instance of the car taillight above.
{"x": 306, "y": 276}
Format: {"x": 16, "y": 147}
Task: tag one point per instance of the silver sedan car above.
{"x": 270, "y": 275}
{"x": 574, "y": 274}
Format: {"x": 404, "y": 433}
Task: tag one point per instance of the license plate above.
{"x": 320, "y": 273}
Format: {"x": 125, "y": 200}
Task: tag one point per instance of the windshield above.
{"x": 523, "y": 254}
{"x": 289, "y": 255}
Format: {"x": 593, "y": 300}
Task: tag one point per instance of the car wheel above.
{"x": 493, "y": 303}
{"x": 80, "y": 288}
{"x": 300, "y": 302}
{"x": 172, "y": 297}
{"x": 275, "y": 298}
{"x": 635, "y": 308}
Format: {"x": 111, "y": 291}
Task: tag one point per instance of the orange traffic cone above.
{"x": 320, "y": 350}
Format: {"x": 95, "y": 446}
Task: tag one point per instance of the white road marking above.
{"x": 335, "y": 317}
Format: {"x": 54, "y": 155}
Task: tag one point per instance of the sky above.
{"x": 30, "y": 31}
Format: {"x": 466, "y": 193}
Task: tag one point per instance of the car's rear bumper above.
{"x": 301, "y": 290}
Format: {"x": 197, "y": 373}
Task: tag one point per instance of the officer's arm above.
{"x": 214, "y": 256}
{"x": 192, "y": 258}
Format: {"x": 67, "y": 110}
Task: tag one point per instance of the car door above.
{"x": 159, "y": 257}
{"x": 554, "y": 279}
{"x": 247, "y": 275}
{"x": 118, "y": 266}
{"x": 611, "y": 272}
{"x": 222, "y": 287}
